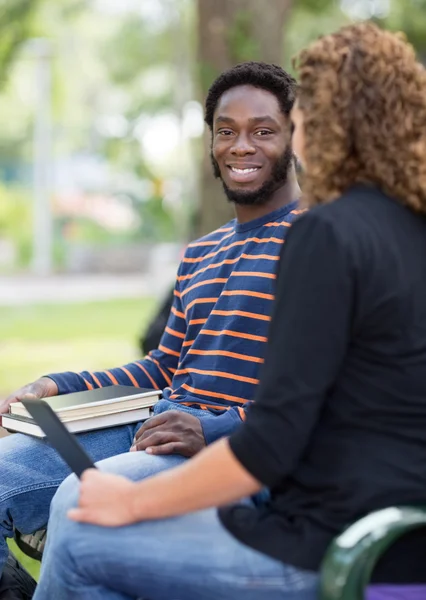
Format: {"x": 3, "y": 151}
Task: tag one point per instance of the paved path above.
{"x": 21, "y": 290}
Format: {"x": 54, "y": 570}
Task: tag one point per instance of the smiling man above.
{"x": 254, "y": 174}
{"x": 209, "y": 357}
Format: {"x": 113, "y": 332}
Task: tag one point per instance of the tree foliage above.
{"x": 107, "y": 68}
{"x": 16, "y": 26}
{"x": 409, "y": 16}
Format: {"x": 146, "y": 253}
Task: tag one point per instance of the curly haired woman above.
{"x": 338, "y": 428}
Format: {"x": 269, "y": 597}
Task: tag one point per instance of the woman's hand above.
{"x": 105, "y": 500}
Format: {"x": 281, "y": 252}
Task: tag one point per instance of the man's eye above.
{"x": 224, "y": 132}
{"x": 263, "y": 132}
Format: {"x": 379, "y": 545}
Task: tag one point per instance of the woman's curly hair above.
{"x": 363, "y": 99}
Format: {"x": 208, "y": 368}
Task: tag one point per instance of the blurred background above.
{"x": 103, "y": 172}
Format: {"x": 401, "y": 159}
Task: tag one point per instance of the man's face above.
{"x": 251, "y": 150}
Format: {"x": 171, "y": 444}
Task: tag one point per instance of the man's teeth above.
{"x": 244, "y": 170}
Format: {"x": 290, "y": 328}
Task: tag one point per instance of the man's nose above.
{"x": 243, "y": 145}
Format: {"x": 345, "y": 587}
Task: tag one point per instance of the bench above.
{"x": 349, "y": 562}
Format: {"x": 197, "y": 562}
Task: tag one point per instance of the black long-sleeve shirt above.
{"x": 338, "y": 428}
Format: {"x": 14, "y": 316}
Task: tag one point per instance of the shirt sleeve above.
{"x": 218, "y": 426}
{"x": 308, "y": 338}
{"x": 155, "y": 371}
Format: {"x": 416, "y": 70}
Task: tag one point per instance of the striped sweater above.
{"x": 215, "y": 338}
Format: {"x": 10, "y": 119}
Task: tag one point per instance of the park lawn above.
{"x": 43, "y": 339}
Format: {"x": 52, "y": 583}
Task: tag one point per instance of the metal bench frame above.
{"x": 349, "y": 562}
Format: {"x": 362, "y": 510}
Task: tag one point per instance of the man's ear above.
{"x": 216, "y": 170}
{"x": 297, "y": 164}
{"x": 289, "y": 129}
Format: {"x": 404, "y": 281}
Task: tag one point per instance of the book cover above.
{"x": 113, "y": 398}
{"x": 27, "y": 425}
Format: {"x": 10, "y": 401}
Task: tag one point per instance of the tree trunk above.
{"x": 230, "y": 32}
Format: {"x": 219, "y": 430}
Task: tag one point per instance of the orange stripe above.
{"x": 176, "y": 293}
{"x": 130, "y": 376}
{"x": 219, "y": 374}
{"x": 208, "y": 243}
{"x": 285, "y": 223}
{"x": 177, "y": 313}
{"x": 188, "y": 343}
{"x": 154, "y": 385}
{"x": 163, "y": 373}
{"x": 201, "y": 301}
{"x": 172, "y": 370}
{"x": 168, "y": 350}
{"x": 237, "y": 334}
{"x": 239, "y": 243}
{"x": 206, "y": 282}
{"x": 246, "y": 357}
{"x": 96, "y": 380}
{"x": 206, "y": 406}
{"x": 253, "y": 274}
{"x": 111, "y": 377}
{"x": 88, "y": 384}
{"x": 202, "y": 406}
{"x": 240, "y": 313}
{"x": 228, "y": 261}
{"x": 248, "y": 293}
{"x": 197, "y": 244}
{"x": 242, "y": 413}
{"x": 225, "y": 237}
{"x": 213, "y": 394}
{"x": 256, "y": 256}
{"x": 197, "y": 322}
{"x": 298, "y": 212}
{"x": 175, "y": 333}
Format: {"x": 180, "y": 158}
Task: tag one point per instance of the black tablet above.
{"x": 64, "y": 442}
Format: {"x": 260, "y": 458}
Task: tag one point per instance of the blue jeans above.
{"x": 31, "y": 472}
{"x": 185, "y": 558}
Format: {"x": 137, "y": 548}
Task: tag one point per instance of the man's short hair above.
{"x": 266, "y": 76}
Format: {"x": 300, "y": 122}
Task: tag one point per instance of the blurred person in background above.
{"x": 338, "y": 426}
{"x": 208, "y": 360}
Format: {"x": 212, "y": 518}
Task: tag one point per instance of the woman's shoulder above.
{"x": 354, "y": 209}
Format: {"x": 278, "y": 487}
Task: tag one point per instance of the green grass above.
{"x": 43, "y": 339}
{"x": 32, "y": 566}
{"x": 46, "y": 338}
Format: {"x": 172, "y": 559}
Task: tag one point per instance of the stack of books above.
{"x": 85, "y": 411}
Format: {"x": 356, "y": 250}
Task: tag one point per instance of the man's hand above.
{"x": 105, "y": 500}
{"x": 171, "y": 432}
{"x": 42, "y": 388}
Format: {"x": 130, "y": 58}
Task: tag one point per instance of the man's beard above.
{"x": 262, "y": 195}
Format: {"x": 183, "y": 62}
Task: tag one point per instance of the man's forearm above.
{"x": 213, "y": 478}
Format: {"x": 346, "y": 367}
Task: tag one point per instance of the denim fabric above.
{"x": 185, "y": 558}
{"x": 31, "y": 471}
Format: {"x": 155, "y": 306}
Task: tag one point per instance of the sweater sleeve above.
{"x": 218, "y": 426}
{"x": 308, "y": 338}
{"x": 154, "y": 371}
